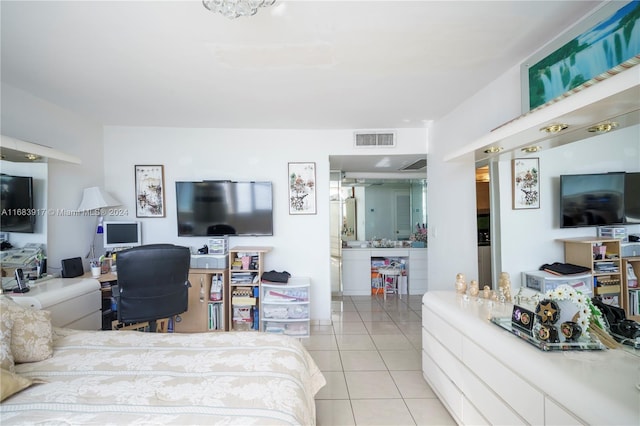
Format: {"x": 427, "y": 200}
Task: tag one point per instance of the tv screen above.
{"x": 592, "y": 199}
{"x": 632, "y": 197}
{"x": 121, "y": 234}
{"x": 16, "y": 194}
{"x": 217, "y": 208}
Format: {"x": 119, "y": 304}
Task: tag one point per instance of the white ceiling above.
{"x": 297, "y": 65}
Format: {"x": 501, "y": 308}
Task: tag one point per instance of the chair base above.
{"x": 161, "y": 326}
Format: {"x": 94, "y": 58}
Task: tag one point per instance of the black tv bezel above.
{"x": 562, "y": 200}
{"x": 225, "y": 234}
{"x": 31, "y": 217}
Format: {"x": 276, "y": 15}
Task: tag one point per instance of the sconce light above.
{"x": 493, "y": 149}
{"x": 605, "y": 127}
{"x": 554, "y": 128}
{"x": 531, "y": 149}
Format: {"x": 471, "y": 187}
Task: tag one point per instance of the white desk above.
{"x": 73, "y": 302}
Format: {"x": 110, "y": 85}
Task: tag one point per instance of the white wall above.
{"x": 35, "y": 120}
{"x": 301, "y": 243}
{"x": 451, "y": 198}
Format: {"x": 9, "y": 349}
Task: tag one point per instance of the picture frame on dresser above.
{"x": 149, "y": 190}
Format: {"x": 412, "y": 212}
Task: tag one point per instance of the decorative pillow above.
{"x": 6, "y": 357}
{"x": 31, "y": 335}
{"x": 11, "y": 383}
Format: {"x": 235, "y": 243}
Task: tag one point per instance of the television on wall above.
{"x": 221, "y": 208}
{"x": 16, "y": 204}
{"x": 592, "y": 199}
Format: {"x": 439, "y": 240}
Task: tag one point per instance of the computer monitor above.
{"x": 122, "y": 234}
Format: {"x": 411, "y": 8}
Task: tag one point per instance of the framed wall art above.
{"x": 302, "y": 188}
{"x": 526, "y": 183}
{"x": 149, "y": 191}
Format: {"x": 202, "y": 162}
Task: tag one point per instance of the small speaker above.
{"x": 72, "y": 267}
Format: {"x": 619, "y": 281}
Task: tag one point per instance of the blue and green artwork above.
{"x": 608, "y": 44}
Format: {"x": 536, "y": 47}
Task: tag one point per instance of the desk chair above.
{"x": 152, "y": 283}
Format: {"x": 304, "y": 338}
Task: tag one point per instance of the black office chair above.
{"x": 152, "y": 283}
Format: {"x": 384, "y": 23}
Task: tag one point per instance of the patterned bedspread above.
{"x": 129, "y": 377}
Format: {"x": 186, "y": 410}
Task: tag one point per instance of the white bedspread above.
{"x": 129, "y": 377}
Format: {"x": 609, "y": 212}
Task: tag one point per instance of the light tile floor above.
{"x": 371, "y": 359}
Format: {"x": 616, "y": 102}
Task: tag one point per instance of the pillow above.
{"x": 6, "y": 356}
{"x": 32, "y": 333}
{"x": 11, "y": 383}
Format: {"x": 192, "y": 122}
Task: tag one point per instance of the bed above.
{"x": 128, "y": 377}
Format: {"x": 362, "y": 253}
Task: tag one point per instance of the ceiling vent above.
{"x": 420, "y": 164}
{"x": 376, "y": 139}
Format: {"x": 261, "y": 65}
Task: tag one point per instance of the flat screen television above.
{"x": 219, "y": 208}
{"x": 121, "y": 234}
{"x": 592, "y": 199}
{"x": 16, "y": 204}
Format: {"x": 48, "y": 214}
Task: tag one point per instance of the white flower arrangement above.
{"x": 586, "y": 311}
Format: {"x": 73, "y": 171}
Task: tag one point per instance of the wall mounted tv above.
{"x": 217, "y": 208}
{"x": 16, "y": 202}
{"x": 599, "y": 199}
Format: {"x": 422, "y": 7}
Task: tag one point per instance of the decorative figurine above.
{"x": 461, "y": 284}
{"x": 505, "y": 284}
{"x": 571, "y": 331}
{"x": 548, "y": 312}
{"x": 474, "y": 288}
{"x": 548, "y": 333}
{"x": 486, "y": 292}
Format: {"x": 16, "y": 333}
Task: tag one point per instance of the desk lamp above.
{"x": 96, "y": 199}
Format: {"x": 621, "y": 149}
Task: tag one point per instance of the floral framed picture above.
{"x": 302, "y": 188}
{"x": 149, "y": 191}
{"x": 526, "y": 183}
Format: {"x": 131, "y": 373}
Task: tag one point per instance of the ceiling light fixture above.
{"x": 235, "y": 8}
{"x": 554, "y": 128}
{"x": 530, "y": 149}
{"x": 603, "y": 127}
{"x": 493, "y": 149}
{"x": 31, "y": 157}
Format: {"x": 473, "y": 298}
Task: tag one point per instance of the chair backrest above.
{"x": 152, "y": 282}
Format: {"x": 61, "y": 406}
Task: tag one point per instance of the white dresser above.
{"x": 73, "y": 302}
{"x": 483, "y": 374}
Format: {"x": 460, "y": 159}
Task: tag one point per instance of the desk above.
{"x": 73, "y": 302}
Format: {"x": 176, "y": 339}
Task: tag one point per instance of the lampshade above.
{"x": 96, "y": 198}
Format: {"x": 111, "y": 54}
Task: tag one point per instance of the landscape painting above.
{"x": 609, "y": 44}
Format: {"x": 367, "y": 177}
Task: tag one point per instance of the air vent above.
{"x": 373, "y": 140}
{"x": 420, "y": 164}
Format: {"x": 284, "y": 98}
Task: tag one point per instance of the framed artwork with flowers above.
{"x": 302, "y": 188}
{"x": 149, "y": 181}
{"x": 526, "y": 183}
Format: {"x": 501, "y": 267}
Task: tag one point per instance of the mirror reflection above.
{"x": 391, "y": 209}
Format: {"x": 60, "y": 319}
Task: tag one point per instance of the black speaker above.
{"x": 72, "y": 267}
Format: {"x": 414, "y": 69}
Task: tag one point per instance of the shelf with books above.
{"x": 246, "y": 265}
{"x": 207, "y": 302}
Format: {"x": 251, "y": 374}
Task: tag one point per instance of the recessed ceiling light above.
{"x": 554, "y": 128}
{"x": 530, "y": 149}
{"x": 493, "y": 149}
{"x": 603, "y": 127}
{"x": 31, "y": 157}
